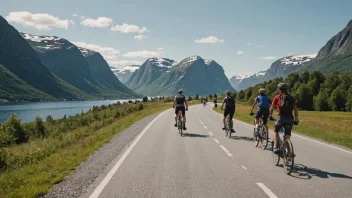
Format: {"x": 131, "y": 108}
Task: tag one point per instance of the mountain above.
{"x": 125, "y": 73}
{"x": 107, "y": 82}
{"x": 85, "y": 69}
{"x": 148, "y": 72}
{"x": 20, "y": 65}
{"x": 194, "y": 75}
{"x": 284, "y": 66}
{"x": 280, "y": 68}
{"x": 236, "y": 80}
{"x": 244, "y": 81}
{"x": 65, "y": 60}
{"x": 336, "y": 55}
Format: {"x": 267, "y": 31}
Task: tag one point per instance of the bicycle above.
{"x": 262, "y": 136}
{"x": 286, "y": 151}
{"x": 180, "y": 123}
{"x": 228, "y": 126}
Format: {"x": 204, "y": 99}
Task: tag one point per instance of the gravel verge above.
{"x": 97, "y": 165}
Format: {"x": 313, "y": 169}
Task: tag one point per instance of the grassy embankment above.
{"x": 333, "y": 127}
{"x": 32, "y": 168}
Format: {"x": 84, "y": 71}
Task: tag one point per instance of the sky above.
{"x": 243, "y": 36}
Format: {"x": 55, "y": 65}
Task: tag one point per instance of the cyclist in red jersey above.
{"x": 285, "y": 104}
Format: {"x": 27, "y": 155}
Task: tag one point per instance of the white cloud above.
{"x": 75, "y": 15}
{"x": 239, "y": 52}
{"x": 108, "y": 53}
{"x": 126, "y": 28}
{"x": 100, "y": 22}
{"x": 72, "y": 22}
{"x": 210, "y": 39}
{"x": 268, "y": 57}
{"x": 82, "y": 17}
{"x": 124, "y": 62}
{"x": 140, "y": 37}
{"x": 248, "y": 43}
{"x": 40, "y": 21}
{"x": 143, "y": 54}
{"x": 160, "y": 49}
{"x": 259, "y": 46}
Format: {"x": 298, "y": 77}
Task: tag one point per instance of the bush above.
{"x": 39, "y": 127}
{"x": 12, "y": 132}
{"x": 140, "y": 107}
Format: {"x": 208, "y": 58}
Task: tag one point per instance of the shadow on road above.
{"x": 242, "y": 138}
{"x": 195, "y": 135}
{"x": 302, "y": 172}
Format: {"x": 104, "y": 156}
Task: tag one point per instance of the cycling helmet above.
{"x": 180, "y": 91}
{"x": 282, "y": 86}
{"x": 261, "y": 90}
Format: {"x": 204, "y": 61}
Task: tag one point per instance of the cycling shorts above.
{"x": 264, "y": 113}
{"x": 180, "y": 108}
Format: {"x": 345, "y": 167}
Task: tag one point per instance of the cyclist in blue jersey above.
{"x": 263, "y": 109}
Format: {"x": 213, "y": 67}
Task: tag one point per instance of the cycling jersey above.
{"x": 180, "y": 100}
{"x": 263, "y": 101}
{"x": 230, "y": 103}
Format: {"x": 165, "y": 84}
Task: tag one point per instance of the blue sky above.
{"x": 257, "y": 28}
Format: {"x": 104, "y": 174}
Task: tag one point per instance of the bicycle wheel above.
{"x": 255, "y": 138}
{"x": 264, "y": 138}
{"x": 288, "y": 156}
{"x": 230, "y": 125}
{"x": 276, "y": 157}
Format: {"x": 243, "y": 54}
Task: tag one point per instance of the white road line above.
{"x": 323, "y": 144}
{"x": 226, "y": 151}
{"x": 216, "y": 141}
{"x": 210, "y": 133}
{"x": 111, "y": 173}
{"x": 294, "y": 134}
{"x": 205, "y": 127}
{"x": 201, "y": 122}
{"x": 267, "y": 190}
{"x": 244, "y": 167}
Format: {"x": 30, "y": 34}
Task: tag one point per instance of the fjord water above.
{"x": 28, "y": 110}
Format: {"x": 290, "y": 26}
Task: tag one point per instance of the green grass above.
{"x": 333, "y": 127}
{"x": 35, "y": 179}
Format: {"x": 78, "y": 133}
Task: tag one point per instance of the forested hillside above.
{"x": 313, "y": 91}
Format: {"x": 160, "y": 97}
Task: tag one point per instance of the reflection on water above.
{"x": 28, "y": 110}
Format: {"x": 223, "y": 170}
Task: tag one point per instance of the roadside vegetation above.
{"x": 34, "y": 156}
{"x": 313, "y": 91}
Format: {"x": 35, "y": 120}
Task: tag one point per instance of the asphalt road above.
{"x": 205, "y": 163}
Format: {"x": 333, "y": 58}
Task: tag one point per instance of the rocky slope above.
{"x": 107, "y": 82}
{"x": 21, "y": 64}
{"x": 194, "y": 75}
{"x": 148, "y": 72}
{"x": 336, "y": 55}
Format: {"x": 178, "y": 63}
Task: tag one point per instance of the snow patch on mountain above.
{"x": 298, "y": 59}
{"x": 207, "y": 61}
{"x": 46, "y": 42}
{"x": 162, "y": 62}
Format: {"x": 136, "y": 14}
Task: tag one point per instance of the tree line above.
{"x": 312, "y": 91}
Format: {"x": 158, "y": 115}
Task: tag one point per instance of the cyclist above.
{"x": 230, "y": 108}
{"x": 285, "y": 104}
{"x": 263, "y": 109}
{"x": 181, "y": 105}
